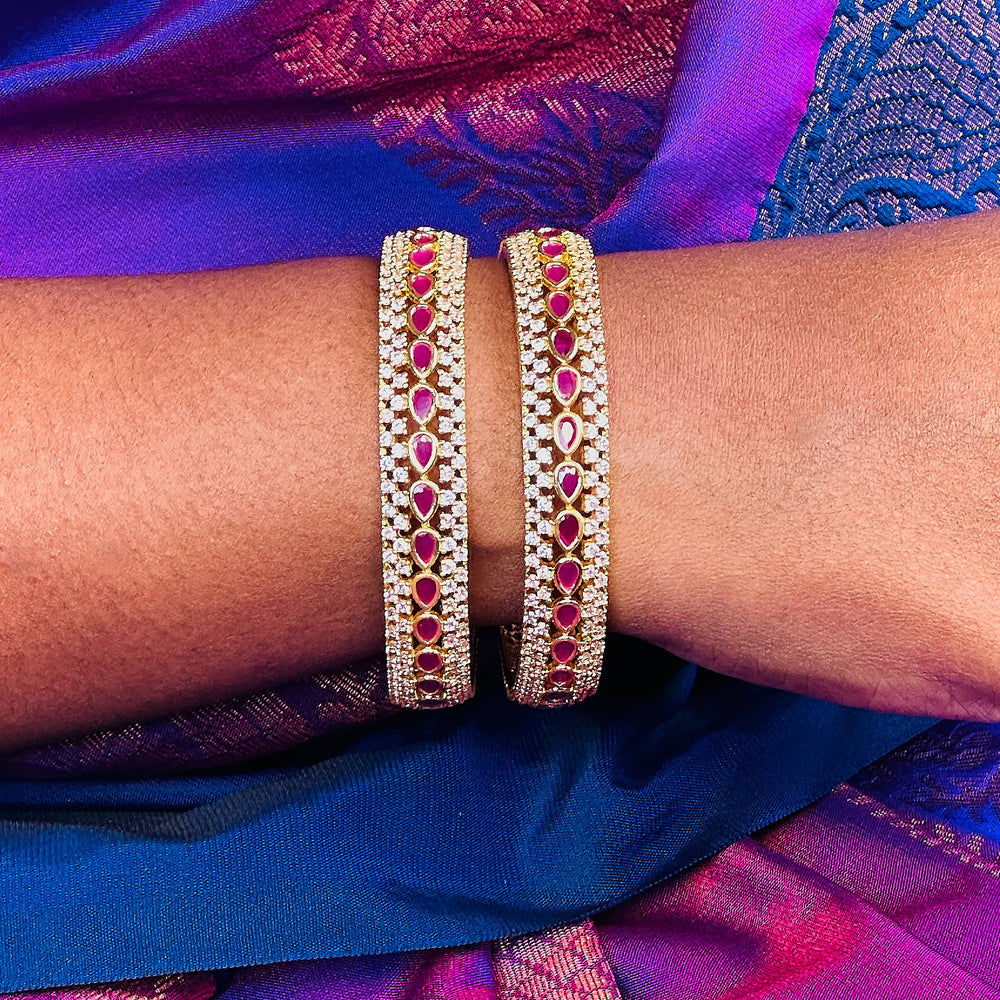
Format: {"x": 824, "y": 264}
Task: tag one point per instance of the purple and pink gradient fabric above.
{"x": 172, "y": 135}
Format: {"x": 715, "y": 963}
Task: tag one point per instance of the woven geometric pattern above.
{"x": 903, "y": 124}
{"x": 565, "y": 963}
{"x": 186, "y": 986}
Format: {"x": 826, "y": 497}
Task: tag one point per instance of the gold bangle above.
{"x": 422, "y": 461}
{"x": 554, "y": 657}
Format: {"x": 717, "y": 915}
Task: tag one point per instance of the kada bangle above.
{"x": 554, "y": 657}
{"x": 423, "y": 471}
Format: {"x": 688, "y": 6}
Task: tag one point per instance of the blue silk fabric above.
{"x": 431, "y": 829}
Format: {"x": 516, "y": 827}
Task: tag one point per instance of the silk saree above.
{"x": 710, "y": 838}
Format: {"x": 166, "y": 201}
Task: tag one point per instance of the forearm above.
{"x": 820, "y": 503}
{"x": 802, "y": 473}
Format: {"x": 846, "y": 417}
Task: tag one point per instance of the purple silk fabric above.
{"x": 208, "y": 135}
{"x": 704, "y": 184}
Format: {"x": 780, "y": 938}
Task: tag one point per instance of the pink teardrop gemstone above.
{"x": 425, "y": 547}
{"x": 563, "y": 343}
{"x": 424, "y": 399}
{"x": 430, "y": 686}
{"x": 562, "y": 677}
{"x": 422, "y": 451}
{"x": 421, "y": 284}
{"x": 564, "y": 649}
{"x": 422, "y": 356}
{"x": 427, "y": 628}
{"x": 568, "y": 432}
{"x": 421, "y": 238}
{"x": 426, "y": 590}
{"x": 429, "y": 661}
{"x": 420, "y": 317}
{"x": 566, "y": 382}
{"x": 423, "y": 256}
{"x": 568, "y": 528}
{"x": 553, "y": 248}
{"x": 568, "y": 481}
{"x": 566, "y": 615}
{"x": 568, "y": 574}
{"x": 559, "y": 304}
{"x": 424, "y": 499}
{"x": 555, "y": 272}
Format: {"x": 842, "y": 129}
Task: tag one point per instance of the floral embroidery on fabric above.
{"x": 538, "y": 111}
{"x": 952, "y": 769}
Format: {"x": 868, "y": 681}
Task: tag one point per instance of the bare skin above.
{"x": 805, "y": 452}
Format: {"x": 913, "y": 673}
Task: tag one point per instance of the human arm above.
{"x": 803, "y": 469}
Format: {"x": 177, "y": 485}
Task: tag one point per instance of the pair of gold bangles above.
{"x": 553, "y": 656}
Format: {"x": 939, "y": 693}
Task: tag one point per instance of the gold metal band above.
{"x": 422, "y": 460}
{"x": 554, "y": 657}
